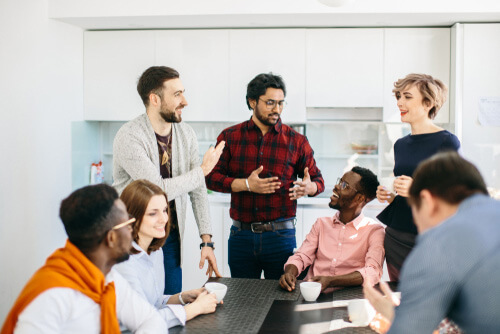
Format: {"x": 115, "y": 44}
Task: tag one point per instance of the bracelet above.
{"x": 248, "y": 186}
{"x": 180, "y": 299}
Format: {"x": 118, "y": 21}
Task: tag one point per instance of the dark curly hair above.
{"x": 258, "y": 86}
{"x": 368, "y": 182}
{"x": 88, "y": 213}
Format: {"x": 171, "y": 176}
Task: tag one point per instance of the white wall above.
{"x": 481, "y": 70}
{"x": 41, "y": 83}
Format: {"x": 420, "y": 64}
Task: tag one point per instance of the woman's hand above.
{"x": 384, "y": 195}
{"x": 402, "y": 185}
{"x": 191, "y": 295}
{"x": 204, "y": 303}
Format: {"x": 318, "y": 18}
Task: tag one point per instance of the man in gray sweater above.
{"x": 158, "y": 147}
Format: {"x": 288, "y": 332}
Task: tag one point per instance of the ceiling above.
{"x": 171, "y": 14}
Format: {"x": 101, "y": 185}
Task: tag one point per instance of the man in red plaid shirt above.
{"x": 259, "y": 167}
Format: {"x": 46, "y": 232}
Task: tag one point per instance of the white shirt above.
{"x": 64, "y": 310}
{"x": 146, "y": 274}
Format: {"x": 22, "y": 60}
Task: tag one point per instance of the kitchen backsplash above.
{"x": 338, "y": 145}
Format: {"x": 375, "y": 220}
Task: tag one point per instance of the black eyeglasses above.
{"x": 271, "y": 104}
{"x": 344, "y": 185}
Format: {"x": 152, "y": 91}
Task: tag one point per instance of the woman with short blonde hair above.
{"x": 419, "y": 98}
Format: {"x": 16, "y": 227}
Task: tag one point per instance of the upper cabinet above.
{"x": 344, "y": 67}
{"x": 415, "y": 50}
{"x": 113, "y": 62}
{"x": 334, "y": 68}
{"x": 255, "y": 51}
{"x": 201, "y": 58}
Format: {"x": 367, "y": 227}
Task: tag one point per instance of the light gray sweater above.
{"x": 135, "y": 156}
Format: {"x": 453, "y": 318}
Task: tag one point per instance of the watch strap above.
{"x": 207, "y": 244}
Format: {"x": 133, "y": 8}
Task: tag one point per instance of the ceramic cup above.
{"x": 361, "y": 312}
{"x": 388, "y": 183}
{"x": 218, "y": 288}
{"x": 310, "y": 290}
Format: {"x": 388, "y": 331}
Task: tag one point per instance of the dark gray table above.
{"x": 261, "y": 306}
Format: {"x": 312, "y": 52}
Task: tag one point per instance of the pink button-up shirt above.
{"x": 332, "y": 248}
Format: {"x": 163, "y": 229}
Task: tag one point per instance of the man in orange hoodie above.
{"x": 76, "y": 291}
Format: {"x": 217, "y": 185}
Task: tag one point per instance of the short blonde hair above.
{"x": 433, "y": 91}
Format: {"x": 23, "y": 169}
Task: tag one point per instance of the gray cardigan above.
{"x": 135, "y": 156}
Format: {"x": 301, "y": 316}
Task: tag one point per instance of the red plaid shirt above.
{"x": 282, "y": 151}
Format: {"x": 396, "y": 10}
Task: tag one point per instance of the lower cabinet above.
{"x": 308, "y": 211}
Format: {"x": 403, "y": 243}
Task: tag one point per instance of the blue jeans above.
{"x": 172, "y": 263}
{"x": 251, "y": 253}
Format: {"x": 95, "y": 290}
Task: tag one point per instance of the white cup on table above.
{"x": 310, "y": 290}
{"x": 361, "y": 312}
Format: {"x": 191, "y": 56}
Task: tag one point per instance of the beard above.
{"x": 123, "y": 257}
{"x": 168, "y": 115}
{"x": 335, "y": 206}
{"x": 264, "y": 118}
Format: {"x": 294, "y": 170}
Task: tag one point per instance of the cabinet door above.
{"x": 344, "y": 67}
{"x": 281, "y": 51}
{"x": 192, "y": 276}
{"x": 113, "y": 62}
{"x": 201, "y": 58}
{"x": 311, "y": 213}
{"x": 415, "y": 50}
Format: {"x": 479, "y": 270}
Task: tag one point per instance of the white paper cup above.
{"x": 361, "y": 312}
{"x": 310, "y": 290}
{"x": 218, "y": 289}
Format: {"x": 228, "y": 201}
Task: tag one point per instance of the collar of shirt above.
{"x": 357, "y": 222}
{"x": 276, "y": 127}
{"x": 142, "y": 253}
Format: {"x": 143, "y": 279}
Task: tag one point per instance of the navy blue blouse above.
{"x": 409, "y": 151}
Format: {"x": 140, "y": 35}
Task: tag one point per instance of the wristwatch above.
{"x": 207, "y": 244}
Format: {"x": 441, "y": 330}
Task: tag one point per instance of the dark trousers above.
{"x": 172, "y": 263}
{"x": 251, "y": 253}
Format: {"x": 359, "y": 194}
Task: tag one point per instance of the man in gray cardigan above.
{"x": 158, "y": 147}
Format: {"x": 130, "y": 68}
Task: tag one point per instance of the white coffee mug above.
{"x": 388, "y": 183}
{"x": 218, "y": 289}
{"x": 361, "y": 312}
{"x": 310, "y": 290}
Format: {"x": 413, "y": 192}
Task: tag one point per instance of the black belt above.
{"x": 259, "y": 227}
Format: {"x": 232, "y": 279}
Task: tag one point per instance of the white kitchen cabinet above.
{"x": 311, "y": 213}
{"x": 201, "y": 57}
{"x": 113, "y": 62}
{"x": 255, "y": 51}
{"x": 415, "y": 50}
{"x": 344, "y": 67}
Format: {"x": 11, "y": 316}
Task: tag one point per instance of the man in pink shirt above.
{"x": 346, "y": 249}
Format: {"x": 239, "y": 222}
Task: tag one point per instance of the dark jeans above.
{"x": 172, "y": 263}
{"x": 251, "y": 253}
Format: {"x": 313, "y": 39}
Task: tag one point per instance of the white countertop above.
{"x": 321, "y": 202}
